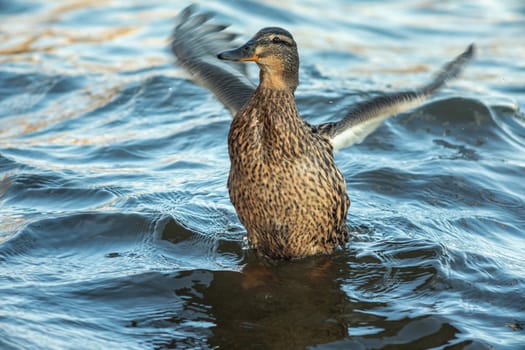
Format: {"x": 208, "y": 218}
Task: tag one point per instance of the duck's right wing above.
{"x": 195, "y": 44}
{"x": 364, "y": 117}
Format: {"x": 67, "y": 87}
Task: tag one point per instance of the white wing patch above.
{"x": 356, "y": 133}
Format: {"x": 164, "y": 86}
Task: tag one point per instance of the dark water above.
{"x": 117, "y": 231}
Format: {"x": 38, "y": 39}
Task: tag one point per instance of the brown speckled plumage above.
{"x": 283, "y": 180}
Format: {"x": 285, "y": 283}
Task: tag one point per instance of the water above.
{"x": 117, "y": 231}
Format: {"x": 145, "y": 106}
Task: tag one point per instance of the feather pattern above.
{"x": 364, "y": 117}
{"x": 195, "y": 44}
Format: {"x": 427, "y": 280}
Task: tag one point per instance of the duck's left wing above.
{"x": 195, "y": 44}
{"x": 364, "y": 117}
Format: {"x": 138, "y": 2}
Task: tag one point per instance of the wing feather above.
{"x": 364, "y": 117}
{"x": 196, "y": 43}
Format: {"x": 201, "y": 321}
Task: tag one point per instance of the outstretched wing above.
{"x": 195, "y": 44}
{"x": 364, "y": 117}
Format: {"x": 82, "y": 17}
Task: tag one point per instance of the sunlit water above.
{"x": 117, "y": 231}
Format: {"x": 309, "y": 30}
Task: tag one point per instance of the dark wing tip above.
{"x": 195, "y": 42}
{"x": 185, "y": 14}
{"x": 468, "y": 54}
{"x": 471, "y": 50}
{"x": 450, "y": 70}
{"x": 194, "y": 37}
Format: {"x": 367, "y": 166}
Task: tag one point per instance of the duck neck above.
{"x": 280, "y": 127}
{"x": 275, "y": 106}
{"x": 280, "y": 79}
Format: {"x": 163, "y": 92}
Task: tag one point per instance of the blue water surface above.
{"x": 116, "y": 230}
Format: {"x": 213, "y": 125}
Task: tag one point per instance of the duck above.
{"x": 283, "y": 181}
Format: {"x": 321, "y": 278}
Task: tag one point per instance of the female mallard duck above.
{"x": 283, "y": 182}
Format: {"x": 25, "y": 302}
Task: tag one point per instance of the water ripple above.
{"x": 116, "y": 230}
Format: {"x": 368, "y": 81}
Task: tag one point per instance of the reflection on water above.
{"x": 116, "y": 230}
{"x": 321, "y": 300}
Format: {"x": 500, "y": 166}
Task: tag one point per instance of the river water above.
{"x": 116, "y": 230}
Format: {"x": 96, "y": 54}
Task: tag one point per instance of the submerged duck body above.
{"x": 283, "y": 181}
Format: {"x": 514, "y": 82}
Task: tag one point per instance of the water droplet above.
{"x": 245, "y": 243}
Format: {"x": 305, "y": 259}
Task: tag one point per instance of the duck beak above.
{"x": 245, "y": 53}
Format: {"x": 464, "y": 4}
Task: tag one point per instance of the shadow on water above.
{"x": 328, "y": 301}
{"x": 298, "y": 305}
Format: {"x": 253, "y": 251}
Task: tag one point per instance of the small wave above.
{"x": 82, "y": 235}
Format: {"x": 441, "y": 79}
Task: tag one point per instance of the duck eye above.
{"x": 276, "y": 40}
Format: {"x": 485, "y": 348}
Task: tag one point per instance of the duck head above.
{"x": 275, "y": 52}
